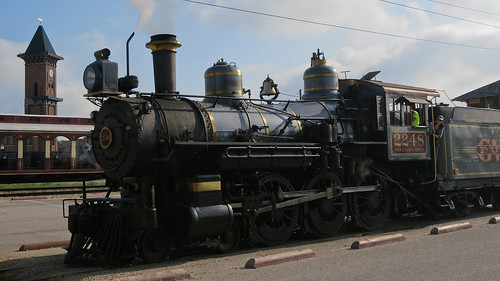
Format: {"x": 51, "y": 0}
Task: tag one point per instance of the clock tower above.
{"x": 40, "y": 59}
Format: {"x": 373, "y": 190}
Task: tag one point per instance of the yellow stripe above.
{"x": 320, "y": 88}
{"x": 222, "y": 74}
{"x": 263, "y": 120}
{"x": 204, "y": 186}
{"x": 102, "y": 93}
{"x": 321, "y": 75}
{"x": 465, "y": 149}
{"x": 326, "y": 108}
{"x": 298, "y": 121}
{"x": 211, "y": 120}
{"x": 211, "y": 93}
{"x": 487, "y": 125}
{"x": 318, "y": 62}
{"x": 164, "y": 45}
{"x": 477, "y": 174}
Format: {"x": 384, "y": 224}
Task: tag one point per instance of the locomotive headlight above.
{"x": 90, "y": 76}
{"x": 100, "y": 78}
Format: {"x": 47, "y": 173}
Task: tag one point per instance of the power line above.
{"x": 341, "y": 27}
{"x": 446, "y": 94}
{"x": 465, "y": 8}
{"x": 439, "y": 14}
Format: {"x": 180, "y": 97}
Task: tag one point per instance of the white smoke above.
{"x": 156, "y": 16}
{"x": 145, "y": 8}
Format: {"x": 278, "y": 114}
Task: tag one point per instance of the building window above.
{"x": 8, "y": 140}
{"x": 474, "y": 101}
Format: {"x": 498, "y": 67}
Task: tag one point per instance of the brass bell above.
{"x": 269, "y": 89}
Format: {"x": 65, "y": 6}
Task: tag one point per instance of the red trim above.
{"x": 44, "y": 172}
{"x": 44, "y": 119}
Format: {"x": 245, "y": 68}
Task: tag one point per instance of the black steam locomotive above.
{"x": 222, "y": 168}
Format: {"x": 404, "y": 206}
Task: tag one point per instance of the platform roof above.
{"x": 490, "y": 90}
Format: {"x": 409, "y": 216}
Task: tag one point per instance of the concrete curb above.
{"x": 29, "y": 197}
{"x": 386, "y": 239}
{"x": 44, "y": 245}
{"x": 174, "y": 274}
{"x": 279, "y": 258}
{"x": 451, "y": 228}
{"x": 494, "y": 220}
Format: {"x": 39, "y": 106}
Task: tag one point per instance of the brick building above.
{"x": 40, "y": 75}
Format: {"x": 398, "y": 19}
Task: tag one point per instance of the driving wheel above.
{"x": 275, "y": 226}
{"x": 325, "y": 217}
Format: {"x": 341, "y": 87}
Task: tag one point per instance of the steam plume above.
{"x": 156, "y": 16}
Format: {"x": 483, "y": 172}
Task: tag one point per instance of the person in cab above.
{"x": 415, "y": 118}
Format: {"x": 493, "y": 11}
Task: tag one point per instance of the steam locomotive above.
{"x": 223, "y": 168}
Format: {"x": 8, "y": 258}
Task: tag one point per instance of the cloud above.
{"x": 74, "y": 104}
{"x": 12, "y": 77}
{"x": 289, "y": 80}
{"x": 70, "y": 71}
{"x": 12, "y": 66}
{"x": 293, "y": 18}
{"x": 70, "y": 88}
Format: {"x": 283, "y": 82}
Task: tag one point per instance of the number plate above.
{"x": 408, "y": 143}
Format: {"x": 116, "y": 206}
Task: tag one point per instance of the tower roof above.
{"x": 40, "y": 44}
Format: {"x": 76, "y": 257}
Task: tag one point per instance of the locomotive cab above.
{"x": 407, "y": 130}
{"x": 394, "y": 116}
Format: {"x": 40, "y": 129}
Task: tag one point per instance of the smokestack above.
{"x": 163, "y": 47}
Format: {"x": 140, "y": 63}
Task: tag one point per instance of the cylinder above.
{"x": 163, "y": 47}
{"x": 197, "y": 222}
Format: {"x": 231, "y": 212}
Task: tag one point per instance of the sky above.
{"x": 450, "y": 46}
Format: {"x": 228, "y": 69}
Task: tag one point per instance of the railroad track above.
{"x": 50, "y": 191}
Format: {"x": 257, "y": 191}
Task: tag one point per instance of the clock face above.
{"x": 51, "y": 73}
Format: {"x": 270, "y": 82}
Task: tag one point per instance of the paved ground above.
{"x": 30, "y": 221}
{"x": 471, "y": 254}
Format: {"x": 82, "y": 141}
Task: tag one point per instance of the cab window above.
{"x": 395, "y": 112}
{"x": 407, "y": 111}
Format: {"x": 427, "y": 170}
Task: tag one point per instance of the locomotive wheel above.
{"x": 229, "y": 240}
{"x": 325, "y": 217}
{"x": 371, "y": 209}
{"x": 276, "y": 226}
{"x": 154, "y": 245}
{"x": 495, "y": 198}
